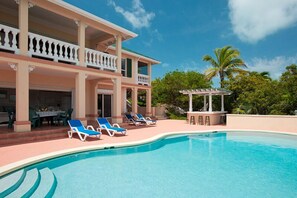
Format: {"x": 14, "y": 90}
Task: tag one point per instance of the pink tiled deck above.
{"x": 11, "y": 154}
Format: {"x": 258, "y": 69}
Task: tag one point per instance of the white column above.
{"x": 22, "y": 122}
{"x": 81, "y": 42}
{"x": 148, "y": 102}
{"x": 149, "y": 72}
{"x": 190, "y": 102}
{"x": 204, "y": 103}
{"x": 135, "y": 70}
{"x": 116, "y": 115}
{"x": 23, "y": 26}
{"x": 124, "y": 99}
{"x": 135, "y": 100}
{"x": 119, "y": 53}
{"x": 210, "y": 102}
{"x": 222, "y": 103}
{"x": 80, "y": 97}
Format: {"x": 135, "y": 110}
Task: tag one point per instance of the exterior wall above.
{"x": 262, "y": 122}
{"x": 37, "y": 81}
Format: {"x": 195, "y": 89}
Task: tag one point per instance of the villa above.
{"x": 55, "y": 56}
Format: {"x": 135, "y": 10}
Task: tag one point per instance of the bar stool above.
{"x": 207, "y": 120}
{"x": 200, "y": 120}
{"x": 223, "y": 119}
{"x": 192, "y": 120}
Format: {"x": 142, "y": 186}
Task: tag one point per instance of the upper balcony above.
{"x": 60, "y": 32}
{"x": 55, "y": 50}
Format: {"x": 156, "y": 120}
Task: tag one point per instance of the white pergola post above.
{"x": 222, "y": 102}
{"x": 210, "y": 102}
{"x": 190, "y": 103}
{"x": 204, "y": 106}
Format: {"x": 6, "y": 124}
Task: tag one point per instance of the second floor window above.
{"x": 126, "y": 69}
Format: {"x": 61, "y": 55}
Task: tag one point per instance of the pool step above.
{"x": 28, "y": 186}
{"x": 11, "y": 182}
{"x": 31, "y": 183}
{"x": 47, "y": 184}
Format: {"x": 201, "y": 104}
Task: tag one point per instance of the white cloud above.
{"x": 190, "y": 65}
{"x": 275, "y": 66}
{"x": 164, "y": 65}
{"x": 138, "y": 16}
{"x": 253, "y": 20}
{"x": 154, "y": 35}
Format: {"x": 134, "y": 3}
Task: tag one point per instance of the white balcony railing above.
{"x": 56, "y": 50}
{"x": 51, "y": 48}
{"x": 8, "y": 38}
{"x": 100, "y": 60}
{"x": 143, "y": 79}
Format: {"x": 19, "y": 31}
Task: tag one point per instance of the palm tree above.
{"x": 225, "y": 64}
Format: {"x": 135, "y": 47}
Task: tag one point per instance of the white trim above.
{"x": 105, "y": 91}
{"x": 152, "y": 61}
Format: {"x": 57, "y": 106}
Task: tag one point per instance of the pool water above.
{"x": 235, "y": 164}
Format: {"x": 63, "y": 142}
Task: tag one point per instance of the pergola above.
{"x": 205, "y": 93}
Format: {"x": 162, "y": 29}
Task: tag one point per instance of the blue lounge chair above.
{"x": 77, "y": 127}
{"x": 111, "y": 130}
{"x": 148, "y": 120}
{"x": 136, "y": 122}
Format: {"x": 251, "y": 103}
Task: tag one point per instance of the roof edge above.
{"x": 153, "y": 61}
{"x": 82, "y": 12}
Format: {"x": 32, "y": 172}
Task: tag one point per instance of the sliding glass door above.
{"x": 104, "y": 105}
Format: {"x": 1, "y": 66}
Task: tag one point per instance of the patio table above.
{"x": 48, "y": 115}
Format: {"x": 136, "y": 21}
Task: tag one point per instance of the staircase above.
{"x": 13, "y": 138}
{"x": 31, "y": 183}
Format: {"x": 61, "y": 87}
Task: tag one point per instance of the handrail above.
{"x": 52, "y": 48}
{"x": 143, "y": 79}
{"x": 100, "y": 60}
{"x": 8, "y": 38}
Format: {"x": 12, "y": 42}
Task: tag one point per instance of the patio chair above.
{"x": 111, "y": 130}
{"x": 64, "y": 117}
{"x": 136, "y": 122}
{"x": 11, "y": 117}
{"x": 148, "y": 120}
{"x": 77, "y": 127}
{"x": 34, "y": 118}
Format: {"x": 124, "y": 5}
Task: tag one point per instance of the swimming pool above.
{"x": 224, "y": 164}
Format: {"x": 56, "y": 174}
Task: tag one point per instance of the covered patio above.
{"x": 206, "y": 116}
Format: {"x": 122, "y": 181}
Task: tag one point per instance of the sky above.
{"x": 179, "y": 33}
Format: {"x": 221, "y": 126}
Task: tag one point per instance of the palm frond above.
{"x": 211, "y": 72}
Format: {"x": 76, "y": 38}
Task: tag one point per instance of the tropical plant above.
{"x": 225, "y": 64}
{"x": 254, "y": 93}
{"x": 166, "y": 90}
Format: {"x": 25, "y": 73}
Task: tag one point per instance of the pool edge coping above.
{"x": 6, "y": 169}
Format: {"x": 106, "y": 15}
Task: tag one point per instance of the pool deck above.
{"x": 13, "y": 156}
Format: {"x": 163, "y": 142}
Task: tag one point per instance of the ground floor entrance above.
{"x": 104, "y": 105}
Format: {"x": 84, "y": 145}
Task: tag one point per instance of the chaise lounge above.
{"x": 136, "y": 122}
{"x": 148, "y": 120}
{"x": 77, "y": 127}
{"x": 111, "y": 130}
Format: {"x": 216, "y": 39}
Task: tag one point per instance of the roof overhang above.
{"x": 139, "y": 56}
{"x": 126, "y": 34}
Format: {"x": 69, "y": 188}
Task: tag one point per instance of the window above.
{"x": 127, "y": 67}
{"x": 142, "y": 68}
{"x": 124, "y": 67}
